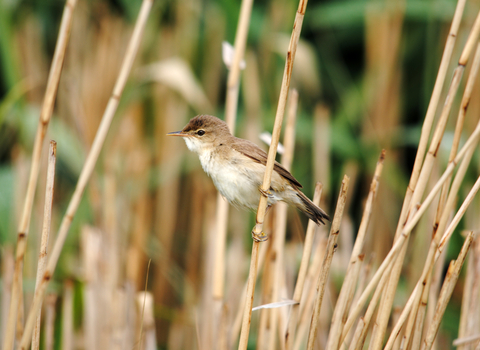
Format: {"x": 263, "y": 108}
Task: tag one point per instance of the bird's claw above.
{"x": 267, "y": 194}
{"x": 259, "y": 237}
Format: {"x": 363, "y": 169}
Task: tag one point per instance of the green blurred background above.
{"x": 364, "y": 72}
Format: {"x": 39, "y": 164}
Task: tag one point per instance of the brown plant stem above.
{"x": 45, "y": 115}
{"x": 262, "y": 205}
{"x": 428, "y": 266}
{"x": 302, "y": 273}
{"x": 446, "y": 292}
{"x": 421, "y": 176}
{"x": 231, "y": 103}
{"x": 281, "y": 222}
{"x": 327, "y": 260}
{"x": 47, "y": 219}
{"x": 348, "y": 288}
{"x": 88, "y": 167}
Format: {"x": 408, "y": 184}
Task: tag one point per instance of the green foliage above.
{"x": 7, "y": 203}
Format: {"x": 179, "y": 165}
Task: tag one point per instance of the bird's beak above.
{"x": 179, "y": 133}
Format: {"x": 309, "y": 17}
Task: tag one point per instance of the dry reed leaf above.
{"x": 228, "y": 52}
{"x": 177, "y": 75}
{"x": 267, "y": 138}
{"x": 276, "y": 305}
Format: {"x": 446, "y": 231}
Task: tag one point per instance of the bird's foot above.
{"x": 259, "y": 237}
{"x": 267, "y": 194}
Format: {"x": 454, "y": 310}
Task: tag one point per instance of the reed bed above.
{"x": 147, "y": 255}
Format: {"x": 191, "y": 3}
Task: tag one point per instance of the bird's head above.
{"x": 203, "y": 133}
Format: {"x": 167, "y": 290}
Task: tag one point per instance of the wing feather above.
{"x": 254, "y": 152}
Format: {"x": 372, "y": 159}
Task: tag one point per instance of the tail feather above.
{"x": 313, "y": 212}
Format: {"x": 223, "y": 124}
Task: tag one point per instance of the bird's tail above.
{"x": 314, "y": 213}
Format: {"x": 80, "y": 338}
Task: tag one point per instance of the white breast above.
{"x": 236, "y": 182}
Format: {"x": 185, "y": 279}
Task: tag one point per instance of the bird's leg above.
{"x": 267, "y": 194}
{"x": 267, "y": 209}
{"x": 260, "y": 237}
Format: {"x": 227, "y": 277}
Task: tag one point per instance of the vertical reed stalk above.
{"x": 302, "y": 273}
{"x": 50, "y": 301}
{"x": 469, "y": 297}
{"x": 45, "y": 115}
{"x": 47, "y": 219}
{"x": 67, "y": 316}
{"x": 146, "y": 337}
{"x": 8, "y": 266}
{"x": 89, "y": 165}
{"x": 233, "y": 84}
{"x": 281, "y": 222}
{"x": 421, "y": 176}
{"x": 438, "y": 251}
{"x": 262, "y": 205}
{"x": 327, "y": 260}
{"x": 446, "y": 292}
{"x": 231, "y": 103}
{"x": 351, "y": 276}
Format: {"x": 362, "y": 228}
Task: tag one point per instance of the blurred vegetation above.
{"x": 371, "y": 64}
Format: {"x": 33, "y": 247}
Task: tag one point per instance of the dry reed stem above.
{"x": 364, "y": 322}
{"x": 440, "y": 129}
{"x": 266, "y": 289}
{"x": 446, "y": 292}
{"x": 147, "y": 338}
{"x": 469, "y": 297}
{"x": 50, "y": 301}
{"x": 387, "y": 301}
{"x": 462, "y": 341}
{"x": 88, "y": 167}
{"x": 362, "y": 281}
{"x": 247, "y": 311}
{"x": 47, "y": 219}
{"x": 384, "y": 269}
{"x": 437, "y": 277}
{"x": 8, "y": 266}
{"x": 442, "y": 210}
{"x": 416, "y": 197}
{"x": 233, "y": 80}
{"x": 45, "y": 115}
{"x": 440, "y": 228}
{"x": 321, "y": 150}
{"x": 281, "y": 222}
{"x": 458, "y": 216}
{"x": 327, "y": 260}
{"x": 471, "y": 41}
{"x": 237, "y": 323}
{"x": 464, "y": 104}
{"x": 302, "y": 273}
{"x": 419, "y": 320}
{"x": 90, "y": 245}
{"x": 438, "y": 251}
{"x": 262, "y": 205}
{"x": 351, "y": 276}
{"x": 282, "y": 101}
{"x": 67, "y": 316}
{"x": 421, "y": 298}
{"x": 436, "y": 93}
{"x": 308, "y": 297}
{"x": 231, "y": 103}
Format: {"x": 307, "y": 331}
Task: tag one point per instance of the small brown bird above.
{"x": 237, "y": 167}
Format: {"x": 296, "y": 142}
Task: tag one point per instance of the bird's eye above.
{"x": 201, "y": 132}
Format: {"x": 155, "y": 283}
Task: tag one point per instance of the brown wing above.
{"x": 254, "y": 152}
